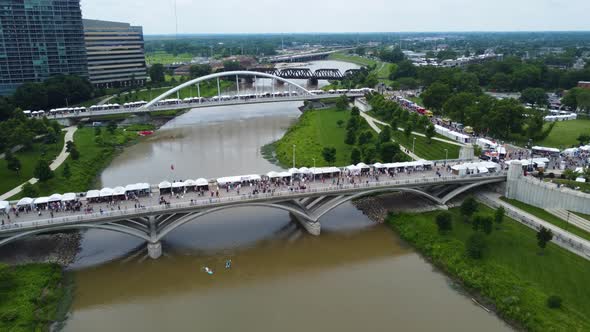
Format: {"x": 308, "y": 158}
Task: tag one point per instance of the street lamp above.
{"x": 414, "y": 145}
{"x": 294, "y": 155}
{"x": 446, "y": 156}
{"x": 313, "y": 162}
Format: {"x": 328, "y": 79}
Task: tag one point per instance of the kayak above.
{"x": 208, "y": 270}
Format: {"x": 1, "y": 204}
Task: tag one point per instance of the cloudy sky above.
{"x": 260, "y": 16}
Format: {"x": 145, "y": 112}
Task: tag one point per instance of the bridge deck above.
{"x": 105, "y": 212}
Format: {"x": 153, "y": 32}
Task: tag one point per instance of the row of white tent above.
{"x": 183, "y": 184}
{"x": 55, "y": 198}
{"x": 117, "y": 191}
{"x": 479, "y": 167}
{"x": 455, "y": 136}
{"x": 567, "y": 117}
{"x": 540, "y": 162}
{"x": 572, "y": 151}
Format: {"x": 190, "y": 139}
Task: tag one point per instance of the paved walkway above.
{"x": 63, "y": 155}
{"x": 561, "y": 237}
{"x": 372, "y": 123}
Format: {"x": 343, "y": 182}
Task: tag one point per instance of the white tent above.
{"x": 131, "y": 187}
{"x": 294, "y": 171}
{"x": 55, "y": 198}
{"x": 581, "y": 180}
{"x": 378, "y": 165}
{"x": 142, "y": 186}
{"x": 4, "y": 206}
{"x": 178, "y": 184}
{"x": 93, "y": 194}
{"x": 362, "y": 165}
{"x": 165, "y": 185}
{"x": 239, "y": 178}
{"x": 68, "y": 197}
{"x": 482, "y": 169}
{"x": 106, "y": 192}
{"x": 304, "y": 170}
{"x": 41, "y": 200}
{"x": 202, "y": 182}
{"x": 119, "y": 191}
{"x": 272, "y": 175}
{"x": 353, "y": 168}
{"x": 25, "y": 201}
{"x": 190, "y": 183}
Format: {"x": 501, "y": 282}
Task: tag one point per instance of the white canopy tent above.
{"x": 165, "y": 185}
{"x": 41, "y": 200}
{"x": 24, "y": 201}
{"x": 93, "y": 194}
{"x": 55, "y": 198}
{"x": 131, "y": 187}
{"x": 119, "y": 191}
{"x": 238, "y": 179}
{"x": 272, "y": 175}
{"x": 106, "y": 192}
{"x": 4, "y": 206}
{"x": 68, "y": 197}
{"x": 190, "y": 183}
{"x": 178, "y": 184}
{"x": 202, "y": 182}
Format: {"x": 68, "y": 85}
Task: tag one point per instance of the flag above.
{"x": 172, "y": 167}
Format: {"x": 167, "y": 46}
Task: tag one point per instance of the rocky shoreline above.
{"x": 378, "y": 207}
{"x": 57, "y": 248}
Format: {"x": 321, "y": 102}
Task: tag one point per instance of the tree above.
{"x": 12, "y": 163}
{"x": 157, "y": 73}
{"x": 70, "y": 145}
{"x": 74, "y": 153}
{"x": 29, "y": 190}
{"x": 543, "y": 236}
{"x": 436, "y": 95}
{"x": 499, "y": 215}
{"x": 534, "y": 96}
{"x": 232, "y": 65}
{"x": 389, "y": 151}
{"x": 476, "y": 245}
{"x": 355, "y": 156}
{"x": 199, "y": 70}
{"x": 484, "y": 223}
{"x": 444, "y": 221}
{"x": 365, "y": 137}
{"x": 340, "y": 123}
{"x": 430, "y": 132}
{"x": 554, "y": 302}
{"x": 385, "y": 135}
{"x": 468, "y": 207}
{"x": 66, "y": 171}
{"x": 369, "y": 154}
{"x": 584, "y": 139}
{"x": 111, "y": 127}
{"x": 329, "y": 155}
{"x": 42, "y": 171}
{"x": 97, "y": 131}
{"x": 457, "y": 106}
{"x": 408, "y": 130}
{"x": 342, "y": 103}
{"x": 350, "y": 137}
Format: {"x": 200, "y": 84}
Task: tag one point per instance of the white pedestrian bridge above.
{"x": 307, "y": 198}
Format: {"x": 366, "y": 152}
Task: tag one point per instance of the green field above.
{"x": 585, "y": 216}
{"x": 28, "y": 159}
{"x": 208, "y": 89}
{"x": 94, "y": 158}
{"x": 314, "y": 131}
{"x": 548, "y": 217}
{"x": 513, "y": 275}
{"x": 166, "y": 58}
{"x": 565, "y": 134}
{"x": 433, "y": 151}
{"x": 30, "y": 296}
{"x": 361, "y": 61}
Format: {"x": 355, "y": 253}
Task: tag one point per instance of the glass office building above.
{"x": 115, "y": 53}
{"x": 39, "y": 39}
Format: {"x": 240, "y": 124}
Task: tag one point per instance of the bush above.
{"x": 554, "y": 302}
{"x": 444, "y": 221}
{"x": 476, "y": 245}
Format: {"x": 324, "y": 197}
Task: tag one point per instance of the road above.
{"x": 63, "y": 155}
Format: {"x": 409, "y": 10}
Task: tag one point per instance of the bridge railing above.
{"x": 212, "y": 202}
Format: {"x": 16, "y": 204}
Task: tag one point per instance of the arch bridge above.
{"x": 153, "y": 223}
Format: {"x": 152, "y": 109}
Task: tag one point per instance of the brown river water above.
{"x": 356, "y": 276}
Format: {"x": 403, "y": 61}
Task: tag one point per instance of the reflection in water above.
{"x": 356, "y": 276}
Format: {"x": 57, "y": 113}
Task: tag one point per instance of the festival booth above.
{"x": 41, "y": 202}
{"x": 353, "y": 170}
{"x": 190, "y": 185}
{"x": 202, "y": 184}
{"x": 531, "y": 164}
{"x": 165, "y": 187}
{"x": 178, "y": 187}
{"x": 4, "y": 207}
{"x": 545, "y": 151}
{"x": 119, "y": 193}
{"x": 321, "y": 172}
{"x": 55, "y": 198}
{"x": 68, "y": 197}
{"x": 106, "y": 193}
{"x": 93, "y": 195}
{"x": 475, "y": 168}
{"x": 24, "y": 203}
{"x": 241, "y": 179}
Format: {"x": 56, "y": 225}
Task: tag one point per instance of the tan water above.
{"x": 357, "y": 276}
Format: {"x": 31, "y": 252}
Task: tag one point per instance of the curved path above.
{"x": 63, "y": 155}
{"x": 373, "y": 124}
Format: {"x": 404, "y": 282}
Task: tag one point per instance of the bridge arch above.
{"x": 465, "y": 188}
{"x": 222, "y": 74}
{"x": 188, "y": 218}
{"x": 113, "y": 228}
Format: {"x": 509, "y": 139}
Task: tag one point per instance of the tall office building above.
{"x": 38, "y": 39}
{"x": 115, "y": 53}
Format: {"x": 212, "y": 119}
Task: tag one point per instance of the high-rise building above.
{"x": 115, "y": 53}
{"x": 38, "y": 39}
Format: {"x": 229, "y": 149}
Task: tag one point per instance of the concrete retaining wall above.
{"x": 545, "y": 195}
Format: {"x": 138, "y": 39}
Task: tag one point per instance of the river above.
{"x": 357, "y": 275}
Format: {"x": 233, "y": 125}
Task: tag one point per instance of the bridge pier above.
{"x": 313, "y": 228}
{"x": 154, "y": 250}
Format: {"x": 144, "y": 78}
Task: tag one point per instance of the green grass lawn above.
{"x": 581, "y": 186}
{"x": 581, "y": 215}
{"x": 548, "y": 217}
{"x": 512, "y": 274}
{"x": 314, "y": 131}
{"x": 361, "y": 61}
{"x": 565, "y": 134}
{"x": 10, "y": 179}
{"x": 417, "y": 100}
{"x": 167, "y": 58}
{"x": 208, "y": 89}
{"x": 93, "y": 159}
{"x": 29, "y": 296}
{"x": 433, "y": 151}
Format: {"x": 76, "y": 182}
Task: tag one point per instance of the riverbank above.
{"x": 512, "y": 278}
{"x": 33, "y": 297}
